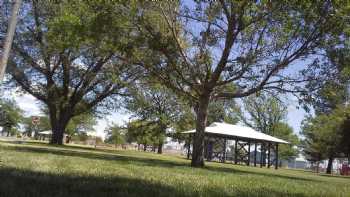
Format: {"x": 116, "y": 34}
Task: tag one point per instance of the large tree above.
{"x": 62, "y": 56}
{"x": 198, "y": 49}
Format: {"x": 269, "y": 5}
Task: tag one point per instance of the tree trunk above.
{"x": 8, "y": 129}
{"x": 59, "y": 120}
{"x": 144, "y": 147}
{"x": 57, "y": 135}
{"x": 198, "y": 141}
{"x": 263, "y": 154}
{"x": 330, "y": 165}
{"x": 160, "y": 148}
{"x": 58, "y": 129}
{"x": 68, "y": 139}
{"x": 163, "y": 128}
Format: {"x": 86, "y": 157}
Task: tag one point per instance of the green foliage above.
{"x": 10, "y": 116}
{"x": 222, "y": 111}
{"x": 44, "y": 124}
{"x": 80, "y": 124}
{"x": 333, "y": 91}
{"x": 284, "y": 131}
{"x": 267, "y": 114}
{"x": 156, "y": 109}
{"x": 185, "y": 122}
{"x": 263, "y": 113}
{"x": 198, "y": 49}
{"x": 68, "y": 55}
{"x": 144, "y": 132}
{"x": 115, "y": 135}
{"x": 325, "y": 133}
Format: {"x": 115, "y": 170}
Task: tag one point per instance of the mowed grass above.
{"x": 42, "y": 170}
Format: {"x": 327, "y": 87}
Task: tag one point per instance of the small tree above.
{"x": 323, "y": 137}
{"x": 143, "y": 132}
{"x": 158, "y": 107}
{"x": 10, "y": 116}
{"x": 80, "y": 124}
{"x": 265, "y": 113}
{"x": 331, "y": 110}
{"x": 284, "y": 131}
{"x": 115, "y": 135}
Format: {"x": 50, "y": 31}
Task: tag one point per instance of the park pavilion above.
{"x": 239, "y": 145}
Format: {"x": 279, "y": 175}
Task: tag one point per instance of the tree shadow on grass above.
{"x": 18, "y": 183}
{"x": 24, "y": 183}
{"x": 334, "y": 176}
{"x": 260, "y": 173}
{"x": 123, "y": 159}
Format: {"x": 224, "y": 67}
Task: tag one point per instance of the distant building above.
{"x": 173, "y": 146}
{"x": 296, "y": 162}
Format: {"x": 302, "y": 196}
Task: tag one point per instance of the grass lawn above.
{"x": 37, "y": 170}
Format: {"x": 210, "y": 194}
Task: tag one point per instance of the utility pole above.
{"x": 9, "y": 38}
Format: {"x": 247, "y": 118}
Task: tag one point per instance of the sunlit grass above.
{"x": 40, "y": 170}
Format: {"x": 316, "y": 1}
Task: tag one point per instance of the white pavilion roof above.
{"x": 238, "y": 131}
{"x": 48, "y": 132}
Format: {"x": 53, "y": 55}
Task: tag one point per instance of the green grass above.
{"x": 37, "y": 170}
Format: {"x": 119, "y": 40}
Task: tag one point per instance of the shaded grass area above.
{"x": 41, "y": 170}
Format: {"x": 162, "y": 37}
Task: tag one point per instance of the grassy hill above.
{"x": 33, "y": 169}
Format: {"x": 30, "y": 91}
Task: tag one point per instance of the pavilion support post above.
{"x": 224, "y": 151}
{"x": 248, "y": 163}
{"x": 255, "y": 150}
{"x": 261, "y": 155}
{"x": 276, "y": 154}
{"x": 236, "y": 152}
{"x": 268, "y": 155}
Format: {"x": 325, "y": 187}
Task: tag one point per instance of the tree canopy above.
{"x": 115, "y": 135}
{"x": 62, "y": 56}
{"x": 198, "y": 50}
{"x": 267, "y": 114}
{"x": 323, "y": 136}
